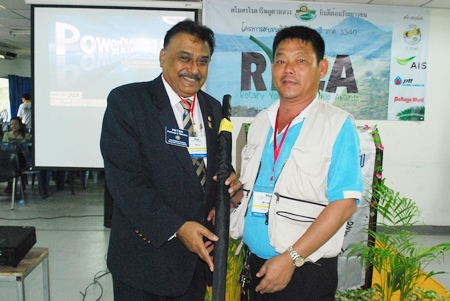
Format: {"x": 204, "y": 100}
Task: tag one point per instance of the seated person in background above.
{"x": 17, "y": 133}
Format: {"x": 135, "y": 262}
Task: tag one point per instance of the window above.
{"x": 4, "y": 100}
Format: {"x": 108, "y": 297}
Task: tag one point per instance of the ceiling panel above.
{"x": 438, "y": 4}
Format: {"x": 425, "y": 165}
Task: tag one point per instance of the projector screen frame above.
{"x": 38, "y": 148}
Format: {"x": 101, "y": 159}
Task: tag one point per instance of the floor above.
{"x": 71, "y": 226}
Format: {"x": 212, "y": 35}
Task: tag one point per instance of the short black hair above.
{"x": 193, "y": 28}
{"x": 26, "y": 96}
{"x": 22, "y": 126}
{"x": 303, "y": 33}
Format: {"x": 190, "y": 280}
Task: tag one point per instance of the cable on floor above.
{"x": 95, "y": 282}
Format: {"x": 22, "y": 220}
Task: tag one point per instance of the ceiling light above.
{"x": 19, "y": 32}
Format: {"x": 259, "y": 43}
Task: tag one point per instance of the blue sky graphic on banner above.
{"x": 377, "y": 55}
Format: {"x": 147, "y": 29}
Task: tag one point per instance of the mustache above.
{"x": 288, "y": 78}
{"x": 196, "y": 77}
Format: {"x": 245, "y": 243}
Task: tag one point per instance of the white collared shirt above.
{"x": 273, "y": 110}
{"x": 178, "y": 110}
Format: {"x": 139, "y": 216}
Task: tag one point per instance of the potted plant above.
{"x": 424, "y": 294}
{"x": 357, "y": 294}
{"x": 395, "y": 255}
{"x": 418, "y": 294}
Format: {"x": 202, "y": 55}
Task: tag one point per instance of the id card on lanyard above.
{"x": 263, "y": 194}
{"x": 195, "y": 142}
{"x": 197, "y": 147}
{"x": 261, "y": 201}
{"x": 197, "y": 139}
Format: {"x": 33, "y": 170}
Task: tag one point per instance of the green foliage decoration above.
{"x": 355, "y": 294}
{"x": 396, "y": 256}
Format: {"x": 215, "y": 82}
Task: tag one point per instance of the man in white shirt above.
{"x": 24, "y": 111}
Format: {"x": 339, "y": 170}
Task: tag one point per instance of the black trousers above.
{"x": 196, "y": 292}
{"x": 310, "y": 282}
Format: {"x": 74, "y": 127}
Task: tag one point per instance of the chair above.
{"x": 43, "y": 175}
{"x": 83, "y": 177}
{"x": 11, "y": 164}
{"x": 27, "y": 148}
{"x": 7, "y": 146}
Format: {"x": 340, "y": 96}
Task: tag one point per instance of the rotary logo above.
{"x": 412, "y": 35}
{"x": 305, "y": 14}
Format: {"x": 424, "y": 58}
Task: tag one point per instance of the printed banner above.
{"x": 350, "y": 270}
{"x": 377, "y": 55}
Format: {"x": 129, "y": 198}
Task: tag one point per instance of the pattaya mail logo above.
{"x": 304, "y": 13}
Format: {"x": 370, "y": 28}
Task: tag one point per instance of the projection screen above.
{"x": 79, "y": 55}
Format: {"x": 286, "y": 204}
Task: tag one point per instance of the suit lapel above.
{"x": 208, "y": 121}
{"x": 166, "y": 118}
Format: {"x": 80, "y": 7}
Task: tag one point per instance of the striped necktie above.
{"x": 198, "y": 163}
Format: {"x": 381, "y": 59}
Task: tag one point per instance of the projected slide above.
{"x": 80, "y": 55}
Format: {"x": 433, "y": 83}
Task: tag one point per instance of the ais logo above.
{"x": 414, "y": 65}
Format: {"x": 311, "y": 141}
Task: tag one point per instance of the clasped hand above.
{"x": 275, "y": 273}
{"x": 191, "y": 234}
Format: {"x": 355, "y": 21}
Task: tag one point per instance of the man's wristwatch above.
{"x": 298, "y": 260}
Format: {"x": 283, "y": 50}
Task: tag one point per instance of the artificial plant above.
{"x": 395, "y": 255}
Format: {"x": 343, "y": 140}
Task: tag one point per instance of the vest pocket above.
{"x": 310, "y": 162}
{"x": 306, "y": 175}
{"x": 296, "y": 210}
{"x": 293, "y": 217}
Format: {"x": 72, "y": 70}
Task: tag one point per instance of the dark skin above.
{"x": 185, "y": 64}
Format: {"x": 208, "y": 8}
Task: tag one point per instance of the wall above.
{"x": 416, "y": 159}
{"x": 417, "y": 154}
{"x": 19, "y": 66}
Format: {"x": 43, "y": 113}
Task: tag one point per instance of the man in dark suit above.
{"x": 161, "y": 229}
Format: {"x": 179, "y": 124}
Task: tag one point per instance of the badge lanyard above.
{"x": 277, "y": 150}
{"x": 191, "y": 107}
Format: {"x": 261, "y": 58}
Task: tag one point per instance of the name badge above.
{"x": 261, "y": 201}
{"x": 177, "y": 137}
{"x": 197, "y": 147}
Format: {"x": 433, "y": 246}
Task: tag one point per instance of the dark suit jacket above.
{"x": 154, "y": 187}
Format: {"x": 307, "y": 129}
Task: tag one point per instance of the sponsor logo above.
{"x": 304, "y": 13}
{"x": 412, "y": 35}
{"x": 409, "y": 99}
{"x": 408, "y": 82}
{"x": 414, "y": 65}
{"x": 404, "y": 62}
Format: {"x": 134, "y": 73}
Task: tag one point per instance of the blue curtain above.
{"x": 17, "y": 87}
